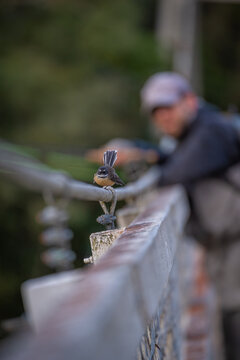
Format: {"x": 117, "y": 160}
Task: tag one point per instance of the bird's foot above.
{"x": 108, "y": 188}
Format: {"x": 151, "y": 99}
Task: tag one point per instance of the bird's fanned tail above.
{"x": 109, "y": 157}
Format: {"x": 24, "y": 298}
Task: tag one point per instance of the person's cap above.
{"x": 163, "y": 89}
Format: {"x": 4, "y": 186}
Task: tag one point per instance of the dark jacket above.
{"x": 207, "y": 147}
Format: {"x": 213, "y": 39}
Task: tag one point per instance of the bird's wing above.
{"x": 117, "y": 179}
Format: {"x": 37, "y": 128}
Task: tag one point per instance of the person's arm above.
{"x": 160, "y": 155}
{"x": 129, "y": 151}
{"x": 209, "y": 150}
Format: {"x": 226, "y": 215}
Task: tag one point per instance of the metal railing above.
{"x": 36, "y": 176}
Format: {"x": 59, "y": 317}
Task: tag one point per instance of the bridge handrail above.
{"x": 36, "y": 176}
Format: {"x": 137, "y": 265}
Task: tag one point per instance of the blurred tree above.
{"x": 221, "y": 53}
{"x": 70, "y": 72}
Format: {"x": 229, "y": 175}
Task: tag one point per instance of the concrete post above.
{"x": 102, "y": 241}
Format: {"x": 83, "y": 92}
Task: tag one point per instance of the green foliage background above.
{"x": 70, "y": 73}
{"x": 221, "y": 54}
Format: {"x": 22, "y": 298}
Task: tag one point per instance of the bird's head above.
{"x": 102, "y": 172}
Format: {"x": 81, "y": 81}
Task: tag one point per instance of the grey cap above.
{"x": 163, "y": 89}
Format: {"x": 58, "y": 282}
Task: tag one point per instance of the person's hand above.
{"x": 127, "y": 152}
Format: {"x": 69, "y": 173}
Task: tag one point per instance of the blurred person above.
{"x": 205, "y": 144}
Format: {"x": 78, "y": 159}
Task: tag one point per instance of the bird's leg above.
{"x": 114, "y": 199}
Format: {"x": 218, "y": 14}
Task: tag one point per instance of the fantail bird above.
{"x": 106, "y": 175}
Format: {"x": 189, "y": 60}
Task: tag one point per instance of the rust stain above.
{"x": 139, "y": 226}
